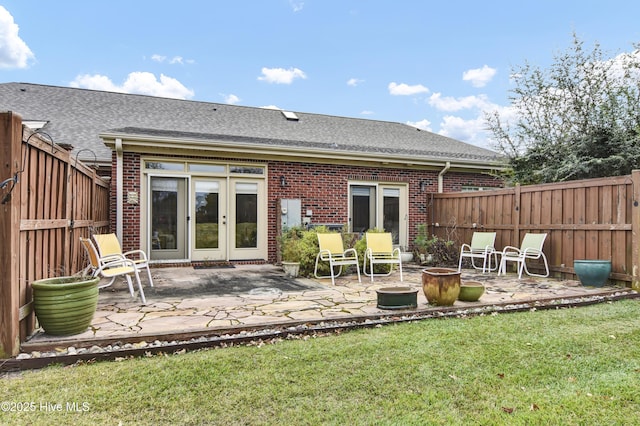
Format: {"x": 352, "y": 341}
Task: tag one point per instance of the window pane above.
{"x": 207, "y": 215}
{"x": 164, "y": 213}
{"x": 207, "y": 168}
{"x": 391, "y": 217}
{"x": 363, "y": 211}
{"x": 251, "y": 170}
{"x": 246, "y": 215}
{"x": 157, "y": 165}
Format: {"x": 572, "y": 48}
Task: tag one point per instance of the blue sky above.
{"x": 435, "y": 65}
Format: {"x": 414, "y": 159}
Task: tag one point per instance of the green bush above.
{"x": 436, "y": 251}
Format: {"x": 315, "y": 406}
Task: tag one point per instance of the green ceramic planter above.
{"x": 470, "y": 291}
{"x": 65, "y": 305}
{"x": 441, "y": 286}
{"x": 592, "y": 273}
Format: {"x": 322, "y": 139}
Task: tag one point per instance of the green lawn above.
{"x": 566, "y": 367}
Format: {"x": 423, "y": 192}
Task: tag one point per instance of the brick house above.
{"x": 195, "y": 181}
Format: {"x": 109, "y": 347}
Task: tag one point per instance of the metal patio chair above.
{"x": 380, "y": 251}
{"x": 481, "y": 247}
{"x": 530, "y": 249}
{"x": 111, "y": 268}
{"x": 332, "y": 251}
{"x": 109, "y": 247}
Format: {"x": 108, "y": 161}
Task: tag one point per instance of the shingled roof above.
{"x": 79, "y": 116}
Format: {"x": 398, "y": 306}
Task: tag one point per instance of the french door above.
{"x": 168, "y": 218}
{"x": 207, "y": 218}
{"x": 381, "y": 206}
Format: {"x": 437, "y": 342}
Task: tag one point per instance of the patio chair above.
{"x": 380, "y": 251}
{"x": 111, "y": 268}
{"x": 109, "y": 247}
{"x": 481, "y": 247}
{"x": 530, "y": 249}
{"x": 332, "y": 251}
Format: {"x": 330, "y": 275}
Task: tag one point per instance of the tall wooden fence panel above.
{"x": 51, "y": 201}
{"x": 587, "y": 219}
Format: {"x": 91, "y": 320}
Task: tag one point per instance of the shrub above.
{"x": 435, "y": 250}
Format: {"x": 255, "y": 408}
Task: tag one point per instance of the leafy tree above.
{"x": 578, "y": 119}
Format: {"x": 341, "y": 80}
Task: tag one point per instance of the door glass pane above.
{"x": 207, "y": 214}
{"x": 391, "y": 213}
{"x": 363, "y": 208}
{"x": 164, "y": 213}
{"x": 246, "y": 215}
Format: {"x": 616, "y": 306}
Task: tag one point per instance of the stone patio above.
{"x": 191, "y": 301}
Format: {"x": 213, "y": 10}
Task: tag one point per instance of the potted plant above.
{"x": 291, "y": 251}
{"x": 65, "y": 305}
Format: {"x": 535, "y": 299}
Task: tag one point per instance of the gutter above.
{"x": 119, "y": 187}
{"x": 441, "y": 177}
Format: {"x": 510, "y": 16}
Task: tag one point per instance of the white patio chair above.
{"x": 530, "y": 249}
{"x": 481, "y": 247}
{"x": 332, "y": 251}
{"x": 111, "y": 268}
{"x": 380, "y": 251}
{"x": 109, "y": 247}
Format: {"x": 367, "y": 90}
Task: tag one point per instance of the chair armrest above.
{"x": 140, "y": 253}
{"x": 510, "y": 250}
{"x": 117, "y": 264}
{"x": 351, "y": 250}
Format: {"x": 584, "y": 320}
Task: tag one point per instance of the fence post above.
{"x": 635, "y": 231}
{"x": 10, "y": 154}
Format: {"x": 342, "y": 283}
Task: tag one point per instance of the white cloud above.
{"x": 175, "y": 60}
{"x": 450, "y": 104}
{"x": 281, "y": 75}
{"x": 472, "y": 131}
{"x": 479, "y": 77}
{"x": 14, "y": 52}
{"x": 354, "y": 82}
{"x": 367, "y": 112}
{"x": 231, "y": 99}
{"x": 296, "y": 5}
{"x": 422, "y": 124}
{"x": 143, "y": 83}
{"x": 403, "y": 89}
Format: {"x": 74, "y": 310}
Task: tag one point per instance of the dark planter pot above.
{"x": 65, "y": 305}
{"x": 397, "y": 298}
{"x": 441, "y": 286}
{"x": 592, "y": 273}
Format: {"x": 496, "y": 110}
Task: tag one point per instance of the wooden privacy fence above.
{"x": 49, "y": 200}
{"x": 587, "y": 219}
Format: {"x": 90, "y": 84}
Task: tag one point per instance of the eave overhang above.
{"x": 242, "y": 148}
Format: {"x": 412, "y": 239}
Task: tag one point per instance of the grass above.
{"x": 571, "y": 367}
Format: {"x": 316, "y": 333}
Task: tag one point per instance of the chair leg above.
{"x": 130, "y": 284}
{"x": 149, "y": 275}
{"x": 144, "y": 299}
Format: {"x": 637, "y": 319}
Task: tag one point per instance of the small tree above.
{"x": 578, "y": 119}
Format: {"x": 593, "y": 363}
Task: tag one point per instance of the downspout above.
{"x": 119, "y": 187}
{"x": 441, "y": 177}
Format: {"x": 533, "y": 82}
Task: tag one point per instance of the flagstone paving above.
{"x": 196, "y": 308}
